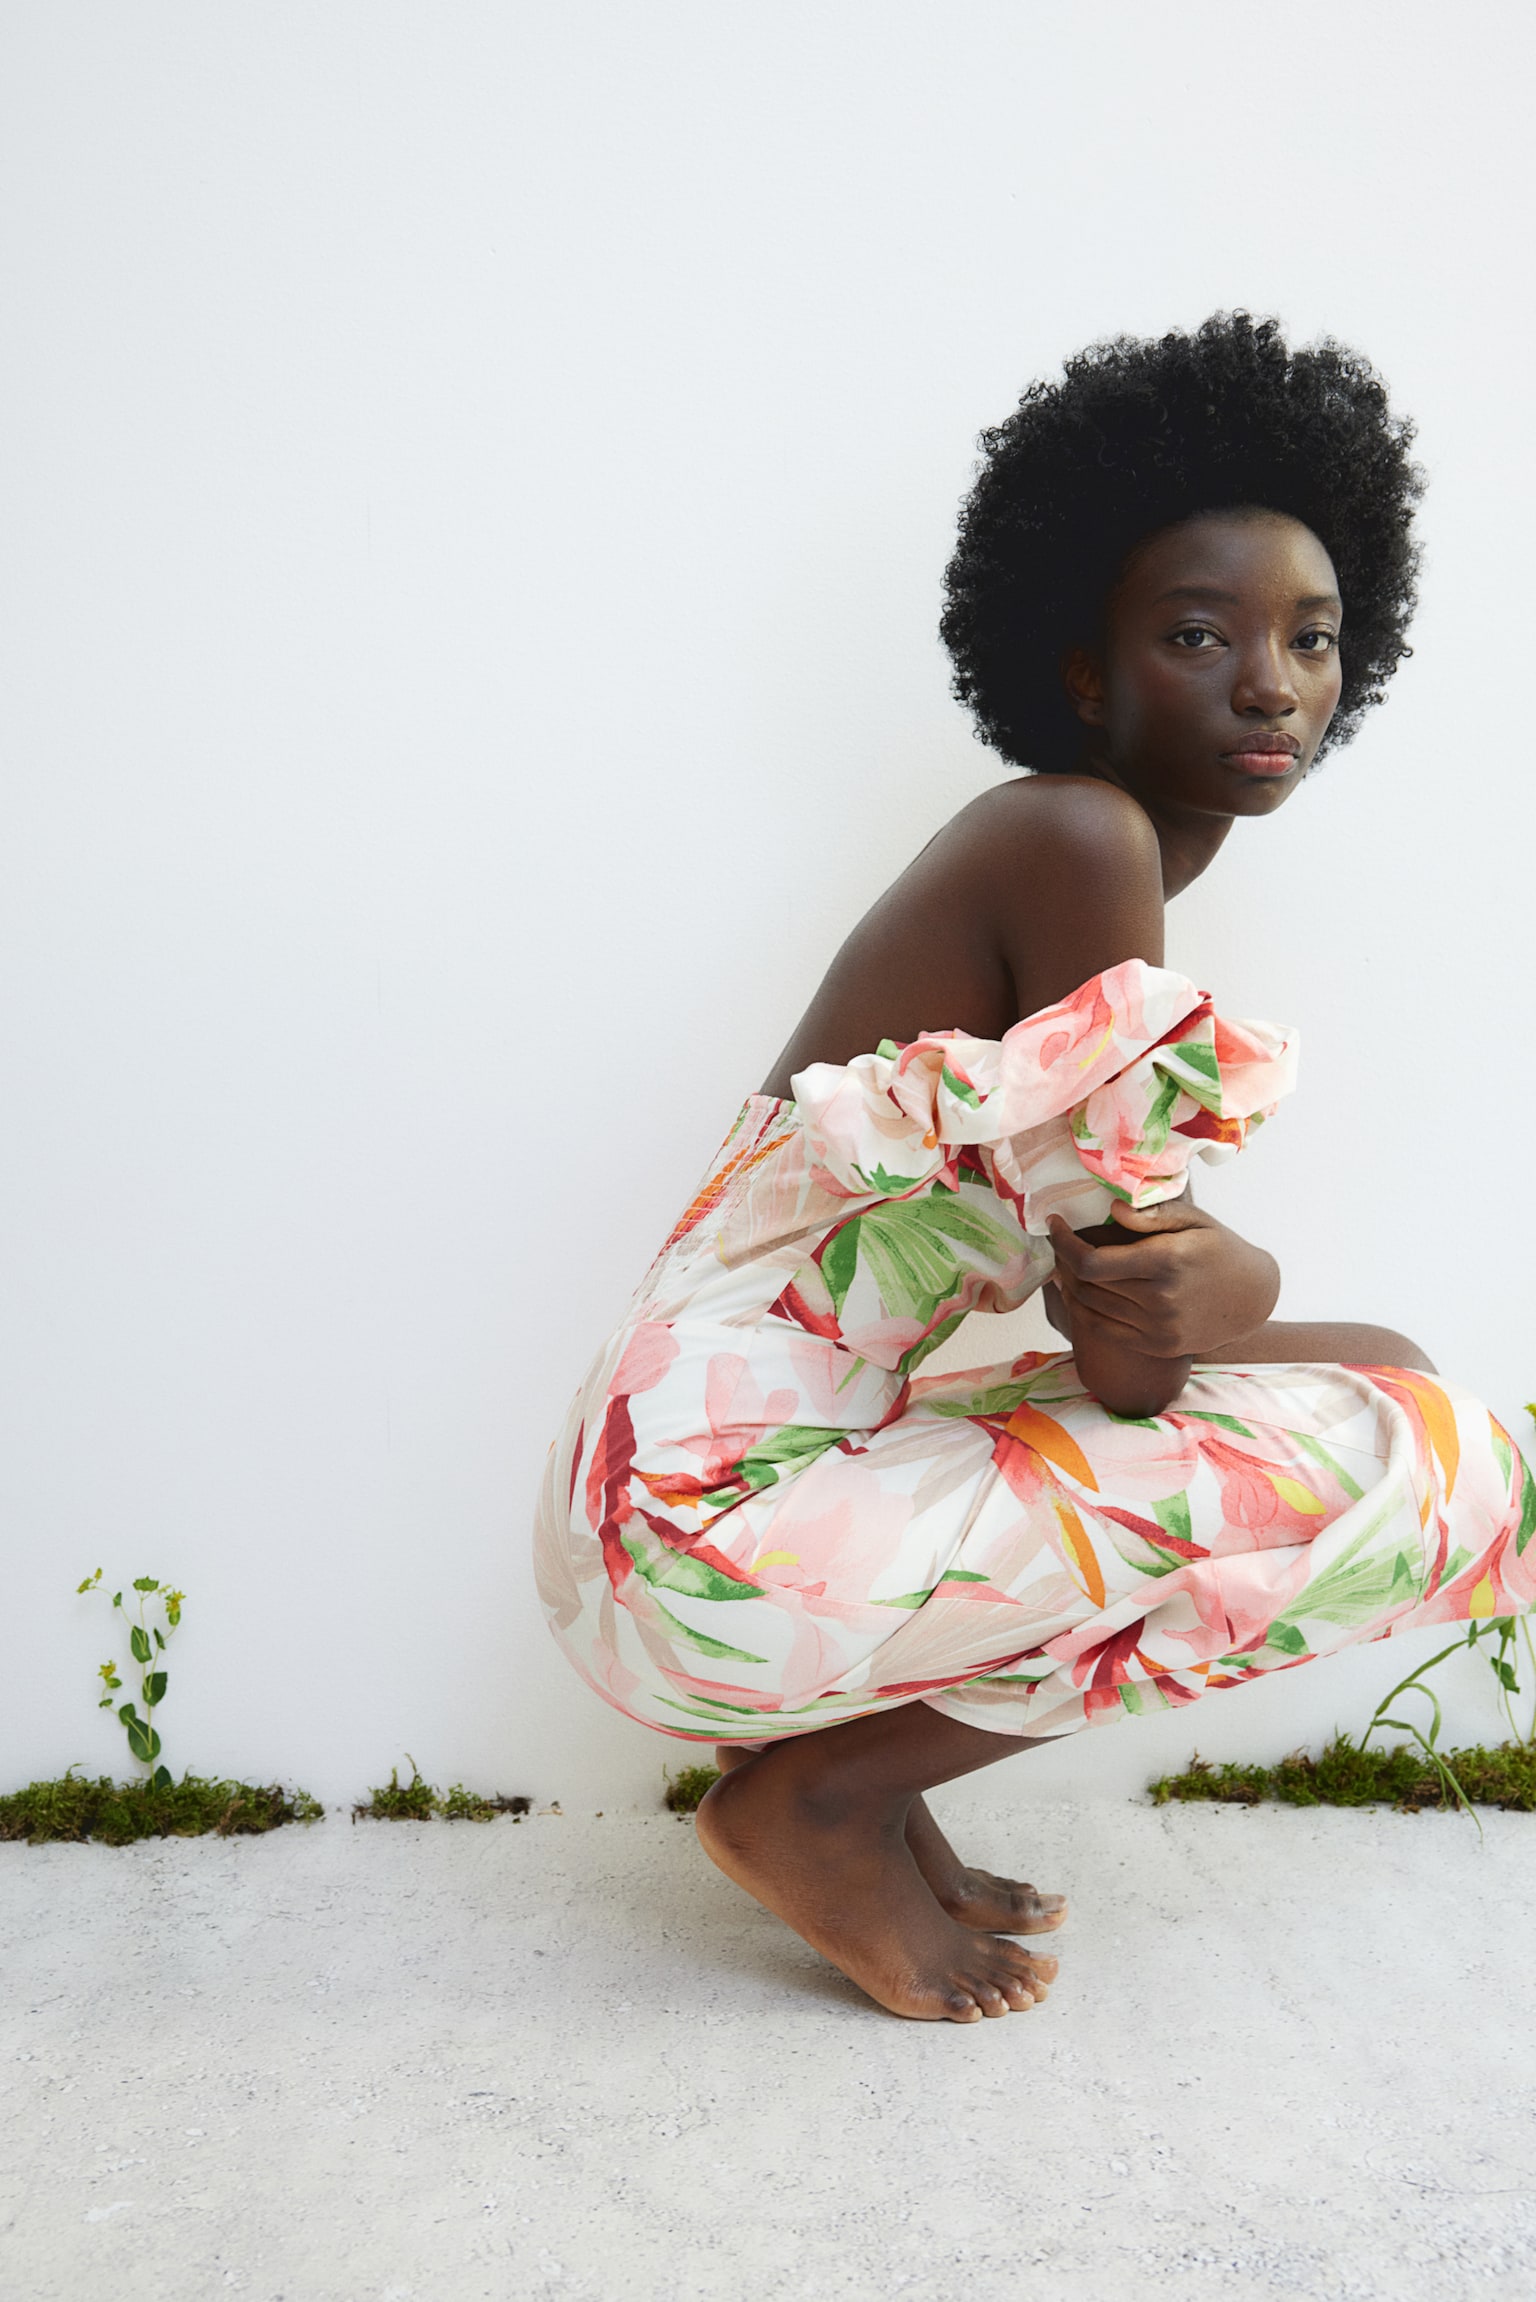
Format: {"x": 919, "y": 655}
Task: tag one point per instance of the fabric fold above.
{"x": 1108, "y": 1094}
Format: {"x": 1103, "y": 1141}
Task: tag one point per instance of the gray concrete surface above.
{"x": 1290, "y": 2054}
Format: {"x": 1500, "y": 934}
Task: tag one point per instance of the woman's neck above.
{"x": 1188, "y": 838}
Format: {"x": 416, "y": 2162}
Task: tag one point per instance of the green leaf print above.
{"x": 961, "y": 1088}
{"x": 1330, "y": 1462}
{"x": 1198, "y": 1056}
{"x": 910, "y": 1246}
{"x": 839, "y": 1262}
{"x": 1287, "y": 1638}
{"x": 715, "y": 1709}
{"x": 681, "y": 1571}
{"x": 1172, "y": 1515}
{"x": 1154, "y": 1131}
{"x": 907, "y": 1599}
{"x": 962, "y": 1575}
{"x": 879, "y": 1179}
{"x": 1154, "y": 1562}
{"x": 706, "y": 1645}
{"x": 1357, "y": 1586}
{"x": 1142, "y": 1552}
{"x": 781, "y": 1453}
{"x": 1224, "y": 1422}
{"x": 1527, "y": 1508}
{"x": 998, "y": 1399}
{"x": 911, "y": 1360}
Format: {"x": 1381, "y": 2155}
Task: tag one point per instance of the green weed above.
{"x": 420, "y": 1801}
{"x": 1346, "y": 1773}
{"x": 72, "y": 1807}
{"x": 685, "y": 1789}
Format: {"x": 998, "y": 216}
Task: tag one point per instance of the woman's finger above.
{"x": 1111, "y": 1310}
{"x": 1110, "y": 1264}
{"x": 1072, "y": 1253}
{"x": 1133, "y": 1272}
{"x": 1168, "y": 1215}
{"x": 1082, "y": 1257}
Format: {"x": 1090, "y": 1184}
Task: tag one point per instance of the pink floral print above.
{"x": 761, "y": 1517}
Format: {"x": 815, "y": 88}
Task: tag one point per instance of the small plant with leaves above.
{"x": 1504, "y": 1636}
{"x": 147, "y": 1642}
{"x": 686, "y": 1788}
{"x": 1503, "y": 1631}
{"x": 421, "y": 1801}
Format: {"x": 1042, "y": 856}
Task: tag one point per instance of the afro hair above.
{"x": 1135, "y": 437}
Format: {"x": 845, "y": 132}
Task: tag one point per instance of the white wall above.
{"x": 477, "y": 479}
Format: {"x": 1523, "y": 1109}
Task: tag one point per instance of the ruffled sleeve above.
{"x": 1107, "y": 1095}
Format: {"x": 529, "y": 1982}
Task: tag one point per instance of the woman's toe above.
{"x": 1038, "y": 1913}
{"x": 1013, "y": 1959}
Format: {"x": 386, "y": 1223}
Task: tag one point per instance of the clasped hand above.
{"x": 1166, "y": 1282}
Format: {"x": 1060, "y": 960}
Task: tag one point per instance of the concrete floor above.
{"x": 1290, "y": 2054}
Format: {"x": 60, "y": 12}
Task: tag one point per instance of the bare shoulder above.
{"x": 1027, "y": 893}
{"x": 1068, "y": 872}
{"x": 1047, "y": 821}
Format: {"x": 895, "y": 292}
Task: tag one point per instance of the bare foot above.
{"x": 837, "y": 1868}
{"x": 975, "y": 1898}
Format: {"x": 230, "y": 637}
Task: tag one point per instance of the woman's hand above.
{"x": 1180, "y": 1284}
{"x": 1153, "y": 1290}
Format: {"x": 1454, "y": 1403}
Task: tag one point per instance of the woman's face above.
{"x": 1219, "y": 670}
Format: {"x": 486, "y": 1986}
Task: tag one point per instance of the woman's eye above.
{"x": 1196, "y": 638}
{"x": 1326, "y": 642}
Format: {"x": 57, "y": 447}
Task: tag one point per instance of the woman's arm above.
{"x": 1141, "y": 1297}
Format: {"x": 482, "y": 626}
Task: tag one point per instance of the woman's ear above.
{"x": 1084, "y": 683}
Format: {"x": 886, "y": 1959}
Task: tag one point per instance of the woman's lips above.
{"x": 1271, "y": 758}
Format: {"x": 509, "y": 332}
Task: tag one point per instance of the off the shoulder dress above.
{"x": 760, "y": 1518}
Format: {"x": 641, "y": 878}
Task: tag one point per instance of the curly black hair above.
{"x": 1139, "y": 435}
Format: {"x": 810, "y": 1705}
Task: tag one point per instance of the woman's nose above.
{"x": 1264, "y": 682}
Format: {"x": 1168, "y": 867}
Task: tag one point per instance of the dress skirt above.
{"x": 760, "y": 1518}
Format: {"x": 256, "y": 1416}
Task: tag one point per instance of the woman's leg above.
{"x": 977, "y": 1898}
{"x": 816, "y": 1829}
{"x": 1344, "y": 1342}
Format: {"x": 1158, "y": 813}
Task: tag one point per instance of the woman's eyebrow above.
{"x": 1230, "y": 598}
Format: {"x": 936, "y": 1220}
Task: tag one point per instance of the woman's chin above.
{"x": 1259, "y": 794}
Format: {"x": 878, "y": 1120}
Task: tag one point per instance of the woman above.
{"x": 1185, "y": 570}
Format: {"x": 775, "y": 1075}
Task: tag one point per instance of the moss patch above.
{"x": 419, "y": 1801}
{"x": 1345, "y": 1775}
{"x": 72, "y": 1807}
{"x": 686, "y": 1788}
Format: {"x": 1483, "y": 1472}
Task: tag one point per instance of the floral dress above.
{"x": 761, "y": 1517}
